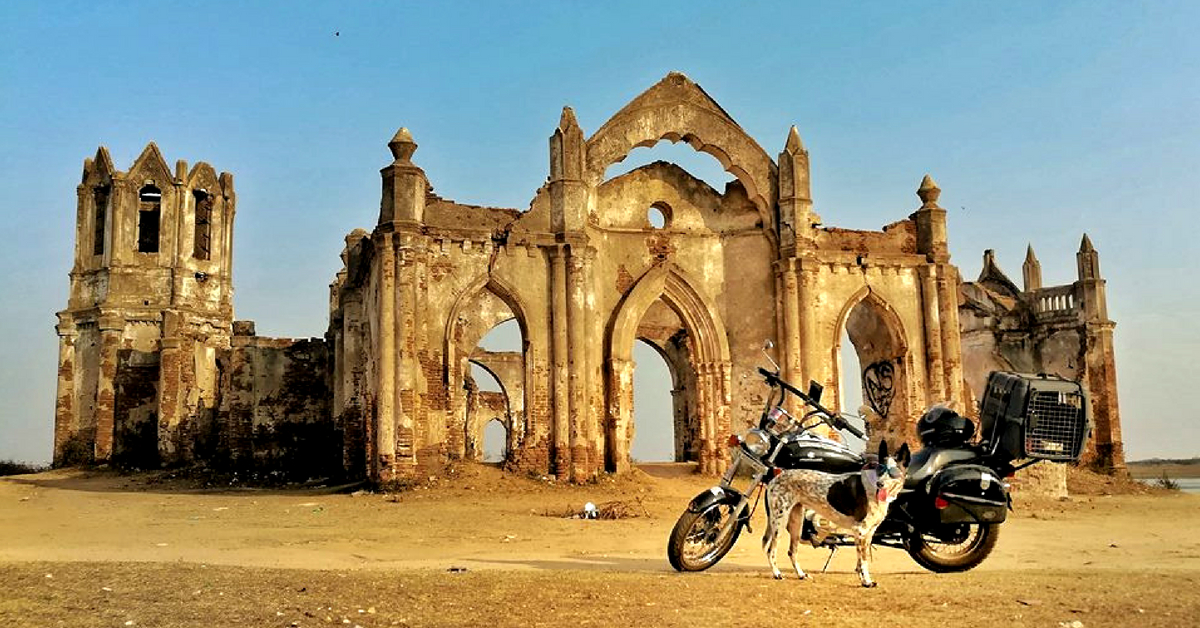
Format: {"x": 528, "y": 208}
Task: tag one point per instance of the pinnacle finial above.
{"x": 794, "y": 144}
{"x": 402, "y": 145}
{"x": 1030, "y": 258}
{"x": 1085, "y": 246}
{"x": 928, "y": 192}
{"x": 567, "y": 120}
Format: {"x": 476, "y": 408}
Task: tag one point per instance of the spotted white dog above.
{"x": 849, "y": 503}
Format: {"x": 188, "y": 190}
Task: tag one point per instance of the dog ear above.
{"x": 903, "y": 457}
{"x": 883, "y": 450}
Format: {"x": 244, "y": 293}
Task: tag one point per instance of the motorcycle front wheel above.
{"x": 701, "y": 539}
{"x": 954, "y": 547}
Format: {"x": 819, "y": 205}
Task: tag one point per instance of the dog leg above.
{"x": 862, "y": 541}
{"x": 777, "y": 511}
{"x": 794, "y": 526}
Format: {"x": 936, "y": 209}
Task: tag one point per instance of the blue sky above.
{"x": 1039, "y": 120}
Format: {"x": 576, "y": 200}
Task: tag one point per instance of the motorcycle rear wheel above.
{"x": 958, "y": 548}
{"x": 701, "y": 539}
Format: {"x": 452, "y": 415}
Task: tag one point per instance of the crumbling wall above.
{"x": 275, "y": 417}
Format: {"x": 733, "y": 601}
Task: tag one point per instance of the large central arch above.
{"x": 710, "y": 359}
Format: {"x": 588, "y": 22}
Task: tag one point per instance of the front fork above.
{"x": 744, "y": 507}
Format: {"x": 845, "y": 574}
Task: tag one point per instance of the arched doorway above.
{"x": 486, "y": 371}
{"x": 664, "y": 307}
{"x": 881, "y": 361}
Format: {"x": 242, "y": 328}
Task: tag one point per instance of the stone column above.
{"x": 408, "y": 399}
{"x": 1108, "y": 451}
{"x": 353, "y": 443}
{"x": 935, "y": 379}
{"x": 558, "y": 326}
{"x": 111, "y": 328}
{"x": 383, "y": 462}
{"x": 65, "y": 420}
{"x": 810, "y": 358}
{"x": 724, "y": 376}
{"x": 170, "y": 395}
{"x": 577, "y": 357}
{"x": 947, "y": 288}
{"x": 620, "y": 405}
{"x": 793, "y": 363}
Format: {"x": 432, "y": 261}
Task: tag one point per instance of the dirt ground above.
{"x": 489, "y": 548}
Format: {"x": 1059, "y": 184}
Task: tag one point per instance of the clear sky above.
{"x": 1040, "y": 121}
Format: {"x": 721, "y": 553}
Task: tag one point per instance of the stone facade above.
{"x": 594, "y": 264}
{"x": 1061, "y": 330}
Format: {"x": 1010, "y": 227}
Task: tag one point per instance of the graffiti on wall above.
{"x": 879, "y": 380}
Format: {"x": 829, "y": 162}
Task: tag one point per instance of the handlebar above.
{"x": 836, "y": 420}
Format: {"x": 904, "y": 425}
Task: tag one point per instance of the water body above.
{"x": 1187, "y": 485}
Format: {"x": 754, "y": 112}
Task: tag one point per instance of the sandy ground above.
{"x": 99, "y": 549}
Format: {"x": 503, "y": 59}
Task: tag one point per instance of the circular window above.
{"x": 659, "y": 216}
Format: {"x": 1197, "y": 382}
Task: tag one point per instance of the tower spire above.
{"x": 1032, "y": 270}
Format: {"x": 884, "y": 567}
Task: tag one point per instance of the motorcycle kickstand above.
{"x": 833, "y": 550}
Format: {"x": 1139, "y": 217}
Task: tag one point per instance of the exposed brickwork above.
{"x": 148, "y": 338}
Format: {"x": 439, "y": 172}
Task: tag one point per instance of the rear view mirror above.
{"x": 814, "y": 391}
{"x": 767, "y": 346}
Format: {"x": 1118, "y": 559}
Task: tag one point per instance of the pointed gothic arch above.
{"x": 454, "y": 356}
{"x": 882, "y": 346}
{"x": 710, "y": 359}
{"x": 677, "y": 109}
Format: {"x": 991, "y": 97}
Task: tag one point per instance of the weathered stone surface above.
{"x": 594, "y": 264}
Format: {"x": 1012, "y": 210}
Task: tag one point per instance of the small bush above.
{"x": 76, "y": 452}
{"x": 1166, "y": 482}
{"x": 11, "y": 467}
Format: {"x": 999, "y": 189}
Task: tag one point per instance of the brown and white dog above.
{"x": 849, "y": 503}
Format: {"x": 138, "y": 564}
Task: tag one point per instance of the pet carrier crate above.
{"x": 1045, "y": 417}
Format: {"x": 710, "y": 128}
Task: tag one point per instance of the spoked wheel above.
{"x": 701, "y": 539}
{"x": 954, "y": 547}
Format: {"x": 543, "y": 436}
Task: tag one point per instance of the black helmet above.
{"x": 942, "y": 427}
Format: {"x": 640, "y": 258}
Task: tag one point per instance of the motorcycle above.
{"x": 955, "y": 497}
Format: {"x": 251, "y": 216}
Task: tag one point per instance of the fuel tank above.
{"x": 804, "y": 451}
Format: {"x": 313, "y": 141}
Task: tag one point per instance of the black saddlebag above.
{"x": 968, "y": 494}
{"x": 1034, "y": 416}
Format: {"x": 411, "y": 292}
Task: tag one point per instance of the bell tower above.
{"x": 150, "y": 304}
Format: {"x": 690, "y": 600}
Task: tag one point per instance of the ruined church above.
{"x": 153, "y": 369}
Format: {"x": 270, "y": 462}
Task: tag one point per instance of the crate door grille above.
{"x": 1055, "y": 425}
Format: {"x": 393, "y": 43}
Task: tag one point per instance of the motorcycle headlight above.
{"x": 757, "y": 442}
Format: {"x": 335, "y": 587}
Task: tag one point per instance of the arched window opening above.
{"x": 653, "y": 406}
{"x": 149, "y": 215}
{"x": 703, "y": 166}
{"x": 495, "y": 441}
{"x": 659, "y": 216}
{"x": 100, "y": 200}
{"x": 202, "y": 247}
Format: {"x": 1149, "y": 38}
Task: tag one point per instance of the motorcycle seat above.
{"x": 930, "y": 460}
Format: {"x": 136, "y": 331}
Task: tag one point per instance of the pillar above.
{"x": 935, "y": 378}
{"x": 383, "y": 462}
{"x": 65, "y": 420}
{"x": 581, "y": 416}
{"x": 558, "y": 327}
{"x": 111, "y": 328}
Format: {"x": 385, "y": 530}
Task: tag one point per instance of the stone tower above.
{"x": 1099, "y": 361}
{"x": 150, "y": 306}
